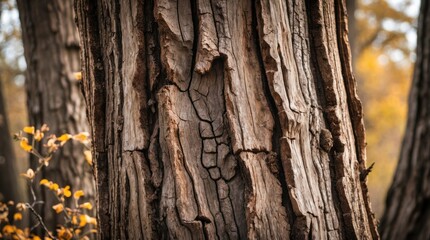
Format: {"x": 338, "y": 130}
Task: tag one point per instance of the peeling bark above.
{"x": 407, "y": 208}
{"x": 244, "y": 116}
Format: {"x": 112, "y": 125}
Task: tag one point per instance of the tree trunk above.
{"x": 224, "y": 120}
{"x": 351, "y": 6}
{"x": 407, "y": 213}
{"x": 9, "y": 187}
{"x": 51, "y": 44}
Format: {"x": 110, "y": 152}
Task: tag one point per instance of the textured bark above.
{"x": 51, "y": 44}
{"x": 224, "y": 120}
{"x": 407, "y": 213}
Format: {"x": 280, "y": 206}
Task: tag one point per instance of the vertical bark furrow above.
{"x": 94, "y": 89}
{"x": 174, "y": 162}
{"x": 176, "y": 33}
{"x": 125, "y": 172}
{"x": 135, "y": 132}
{"x": 265, "y": 221}
{"x": 354, "y": 106}
{"x": 92, "y": 71}
{"x": 153, "y": 74}
{"x": 251, "y": 125}
{"x": 346, "y": 157}
{"x": 274, "y": 158}
{"x": 110, "y": 11}
{"x": 283, "y": 58}
{"x": 207, "y": 48}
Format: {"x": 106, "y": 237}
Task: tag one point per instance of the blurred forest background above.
{"x": 383, "y": 37}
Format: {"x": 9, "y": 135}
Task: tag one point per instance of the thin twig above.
{"x": 35, "y": 226}
{"x": 40, "y": 220}
{"x": 32, "y": 190}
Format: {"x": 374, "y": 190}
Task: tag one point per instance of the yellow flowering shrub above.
{"x": 76, "y": 216}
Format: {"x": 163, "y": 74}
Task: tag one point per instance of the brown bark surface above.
{"x": 224, "y": 120}
{"x": 51, "y": 44}
{"x": 407, "y": 213}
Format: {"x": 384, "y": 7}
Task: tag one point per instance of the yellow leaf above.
{"x": 64, "y": 137}
{"x": 29, "y": 174}
{"x": 19, "y": 233}
{"x": 82, "y": 220}
{"x": 86, "y": 205}
{"x": 78, "y": 75}
{"x": 74, "y": 220}
{"x": 8, "y": 229}
{"x": 92, "y": 221}
{"x": 54, "y": 187}
{"x": 44, "y": 182}
{"x": 82, "y": 137}
{"x": 88, "y": 157}
{"x": 58, "y": 207}
{"x": 64, "y": 233}
{"x": 36, "y": 238}
{"x": 67, "y": 192}
{"x": 24, "y": 145}
{"x": 17, "y": 216}
{"x": 78, "y": 194}
{"x": 29, "y": 129}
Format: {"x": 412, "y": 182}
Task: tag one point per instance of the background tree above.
{"x": 407, "y": 214}
{"x": 51, "y": 47}
{"x": 384, "y": 45}
{"x": 8, "y": 171}
{"x": 11, "y": 188}
{"x": 224, "y": 119}
{"x": 12, "y": 65}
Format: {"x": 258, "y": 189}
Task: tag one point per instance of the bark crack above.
{"x": 187, "y": 169}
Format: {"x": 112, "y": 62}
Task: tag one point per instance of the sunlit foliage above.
{"x": 76, "y": 215}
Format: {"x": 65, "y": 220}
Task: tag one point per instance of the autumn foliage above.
{"x": 78, "y": 224}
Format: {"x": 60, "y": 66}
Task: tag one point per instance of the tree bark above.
{"x": 224, "y": 120}
{"x": 407, "y": 210}
{"x": 51, "y": 45}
